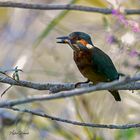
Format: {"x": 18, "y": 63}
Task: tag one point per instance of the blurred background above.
{"x": 28, "y": 40}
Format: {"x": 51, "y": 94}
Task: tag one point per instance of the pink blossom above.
{"x": 133, "y": 53}
{"x": 111, "y": 39}
{"x": 128, "y": 23}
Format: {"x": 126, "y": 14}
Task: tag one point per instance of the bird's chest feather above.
{"x": 86, "y": 66}
{"x": 82, "y": 59}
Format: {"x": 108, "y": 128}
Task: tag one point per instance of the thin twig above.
{"x": 93, "y": 125}
{"x": 126, "y": 83}
{"x": 64, "y": 7}
{"x": 9, "y": 87}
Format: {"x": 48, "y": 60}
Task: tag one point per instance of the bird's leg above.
{"x": 79, "y": 83}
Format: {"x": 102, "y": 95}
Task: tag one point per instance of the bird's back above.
{"x": 103, "y": 65}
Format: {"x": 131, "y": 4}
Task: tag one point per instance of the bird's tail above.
{"x": 115, "y": 94}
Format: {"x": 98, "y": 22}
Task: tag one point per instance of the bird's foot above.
{"x": 79, "y": 83}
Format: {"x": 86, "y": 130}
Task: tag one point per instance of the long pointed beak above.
{"x": 64, "y": 39}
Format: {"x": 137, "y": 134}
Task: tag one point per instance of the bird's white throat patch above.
{"x": 89, "y": 46}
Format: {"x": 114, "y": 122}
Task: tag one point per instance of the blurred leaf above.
{"x": 51, "y": 25}
{"x": 126, "y": 134}
{"x": 99, "y": 3}
{"x": 4, "y": 16}
{"x": 3, "y": 12}
{"x": 59, "y": 130}
{"x": 105, "y": 22}
{"x": 90, "y": 134}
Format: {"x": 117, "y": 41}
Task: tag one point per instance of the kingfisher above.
{"x": 92, "y": 62}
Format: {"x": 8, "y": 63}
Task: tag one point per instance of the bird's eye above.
{"x": 73, "y": 40}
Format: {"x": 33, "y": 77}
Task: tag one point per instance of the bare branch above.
{"x": 56, "y": 87}
{"x": 64, "y": 7}
{"x": 93, "y": 125}
{"x": 53, "y": 87}
{"x": 124, "y": 84}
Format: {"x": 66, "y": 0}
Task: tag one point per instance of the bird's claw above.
{"x": 79, "y": 83}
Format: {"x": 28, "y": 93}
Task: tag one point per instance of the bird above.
{"x": 92, "y": 62}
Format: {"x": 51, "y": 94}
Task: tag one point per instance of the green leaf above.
{"x": 51, "y": 25}
{"x": 126, "y": 134}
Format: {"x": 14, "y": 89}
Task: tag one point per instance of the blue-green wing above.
{"x": 103, "y": 65}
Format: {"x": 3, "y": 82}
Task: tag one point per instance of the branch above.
{"x": 52, "y": 87}
{"x": 64, "y": 7}
{"x": 93, "y": 125}
{"x": 56, "y": 87}
{"x": 124, "y": 84}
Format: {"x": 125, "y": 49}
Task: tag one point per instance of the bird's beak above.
{"x": 64, "y": 40}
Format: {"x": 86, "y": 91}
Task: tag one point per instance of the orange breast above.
{"x": 83, "y": 61}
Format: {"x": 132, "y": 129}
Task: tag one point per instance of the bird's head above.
{"x": 77, "y": 41}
